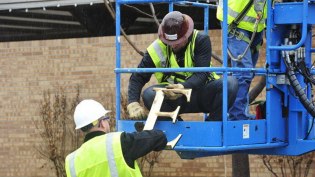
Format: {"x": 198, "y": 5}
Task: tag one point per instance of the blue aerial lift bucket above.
{"x": 287, "y": 127}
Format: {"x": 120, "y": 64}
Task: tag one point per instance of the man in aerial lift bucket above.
{"x": 245, "y": 37}
{"x": 179, "y": 46}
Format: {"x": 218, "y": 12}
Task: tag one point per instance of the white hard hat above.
{"x": 88, "y": 111}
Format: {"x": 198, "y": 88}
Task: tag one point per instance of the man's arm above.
{"x": 202, "y": 58}
{"x": 138, "y": 80}
{"x": 138, "y": 144}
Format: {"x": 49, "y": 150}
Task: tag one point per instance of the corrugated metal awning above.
{"x": 29, "y": 4}
{"x": 59, "y": 19}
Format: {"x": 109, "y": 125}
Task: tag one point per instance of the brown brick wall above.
{"x": 29, "y": 68}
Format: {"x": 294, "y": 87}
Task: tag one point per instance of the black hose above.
{"x": 299, "y": 91}
{"x": 305, "y": 72}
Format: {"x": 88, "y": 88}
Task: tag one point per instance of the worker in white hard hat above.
{"x": 104, "y": 153}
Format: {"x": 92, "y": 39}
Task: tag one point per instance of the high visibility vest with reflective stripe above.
{"x": 99, "y": 157}
{"x": 158, "y": 52}
{"x": 247, "y": 23}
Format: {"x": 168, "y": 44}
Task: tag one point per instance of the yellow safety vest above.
{"x": 99, "y": 157}
{"x": 159, "y": 54}
{"x": 247, "y": 23}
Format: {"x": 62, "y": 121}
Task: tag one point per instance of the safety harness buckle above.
{"x": 239, "y": 35}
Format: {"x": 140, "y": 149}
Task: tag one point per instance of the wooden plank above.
{"x": 172, "y": 115}
{"x": 171, "y": 144}
{"x": 156, "y": 106}
{"x": 186, "y": 92}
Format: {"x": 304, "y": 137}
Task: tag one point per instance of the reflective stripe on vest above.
{"x": 162, "y": 56}
{"x": 111, "y": 156}
{"x": 100, "y": 156}
{"x": 235, "y": 7}
{"x": 158, "y": 52}
{"x": 71, "y": 164}
{"x": 249, "y": 19}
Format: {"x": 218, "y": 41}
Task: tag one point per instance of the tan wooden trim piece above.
{"x": 156, "y": 106}
{"x": 172, "y": 115}
{"x": 186, "y": 92}
{"x": 172, "y": 144}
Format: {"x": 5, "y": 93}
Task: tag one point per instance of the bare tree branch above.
{"x": 266, "y": 160}
{"x": 138, "y": 10}
{"x": 112, "y": 13}
{"x": 293, "y": 166}
{"x": 154, "y": 16}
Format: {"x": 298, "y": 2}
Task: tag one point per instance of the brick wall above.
{"x": 29, "y": 68}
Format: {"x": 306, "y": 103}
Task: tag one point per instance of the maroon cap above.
{"x": 175, "y": 28}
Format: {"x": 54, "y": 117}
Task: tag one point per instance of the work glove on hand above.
{"x": 136, "y": 111}
{"x": 171, "y": 95}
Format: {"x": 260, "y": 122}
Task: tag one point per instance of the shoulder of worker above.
{"x": 202, "y": 36}
{"x": 146, "y": 61}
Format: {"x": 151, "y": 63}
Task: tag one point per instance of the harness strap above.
{"x": 240, "y": 35}
{"x": 240, "y": 16}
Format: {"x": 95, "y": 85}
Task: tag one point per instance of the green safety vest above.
{"x": 99, "y": 157}
{"x": 247, "y": 23}
{"x": 158, "y": 51}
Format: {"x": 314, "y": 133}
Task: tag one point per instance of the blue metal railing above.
{"x": 225, "y": 64}
{"x": 270, "y": 47}
{"x": 119, "y": 70}
{"x": 225, "y": 70}
{"x": 206, "y": 8}
{"x": 219, "y": 70}
{"x": 304, "y": 31}
{"x": 118, "y": 64}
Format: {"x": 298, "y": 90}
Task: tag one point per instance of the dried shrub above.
{"x": 56, "y": 128}
{"x": 58, "y": 132}
{"x": 147, "y": 162}
{"x": 294, "y": 166}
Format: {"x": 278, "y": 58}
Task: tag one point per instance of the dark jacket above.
{"x": 137, "y": 144}
{"x": 202, "y": 58}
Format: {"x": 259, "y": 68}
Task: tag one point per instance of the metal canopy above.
{"x": 28, "y": 4}
{"x": 22, "y": 20}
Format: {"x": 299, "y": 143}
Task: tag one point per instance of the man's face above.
{"x": 177, "y": 47}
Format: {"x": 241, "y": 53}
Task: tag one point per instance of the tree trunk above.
{"x": 240, "y": 165}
